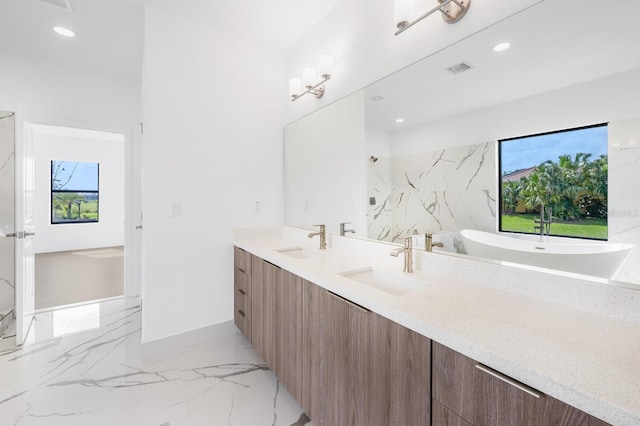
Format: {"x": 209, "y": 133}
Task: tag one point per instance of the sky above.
{"x": 85, "y": 176}
{"x": 526, "y": 152}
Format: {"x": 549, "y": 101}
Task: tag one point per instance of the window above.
{"x": 555, "y": 183}
{"x": 74, "y": 192}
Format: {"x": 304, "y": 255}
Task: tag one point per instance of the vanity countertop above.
{"x": 582, "y": 357}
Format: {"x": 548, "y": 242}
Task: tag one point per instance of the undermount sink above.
{"x": 389, "y": 282}
{"x": 299, "y": 252}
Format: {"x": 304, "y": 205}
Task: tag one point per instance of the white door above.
{"x": 25, "y": 295}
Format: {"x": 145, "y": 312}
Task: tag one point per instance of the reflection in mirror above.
{"x": 7, "y": 258}
{"x": 325, "y": 177}
{"x": 431, "y": 135}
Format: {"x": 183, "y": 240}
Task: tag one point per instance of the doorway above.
{"x": 79, "y": 215}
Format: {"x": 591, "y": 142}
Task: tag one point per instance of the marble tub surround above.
{"x": 574, "y": 339}
{"x": 7, "y": 260}
{"x": 433, "y": 191}
{"x": 71, "y": 374}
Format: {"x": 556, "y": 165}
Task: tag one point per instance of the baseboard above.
{"x": 176, "y": 342}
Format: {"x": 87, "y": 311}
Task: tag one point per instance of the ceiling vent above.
{"x": 59, "y": 4}
{"x": 459, "y": 68}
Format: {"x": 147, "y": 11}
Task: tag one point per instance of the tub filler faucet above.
{"x": 542, "y": 225}
{"x": 408, "y": 254}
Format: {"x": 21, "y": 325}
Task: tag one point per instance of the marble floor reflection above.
{"x": 83, "y": 366}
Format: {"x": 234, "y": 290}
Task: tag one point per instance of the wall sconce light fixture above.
{"x": 309, "y": 80}
{"x": 452, "y": 11}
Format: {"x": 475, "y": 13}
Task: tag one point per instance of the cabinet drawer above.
{"x": 242, "y": 271}
{"x": 482, "y": 396}
{"x": 242, "y": 314}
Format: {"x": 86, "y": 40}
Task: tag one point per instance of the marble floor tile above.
{"x": 83, "y": 366}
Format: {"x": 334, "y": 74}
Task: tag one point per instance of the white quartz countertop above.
{"x": 581, "y": 357}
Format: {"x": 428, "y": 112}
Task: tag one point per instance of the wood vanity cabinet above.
{"x": 471, "y": 396}
{"x": 288, "y": 367}
{"x": 360, "y": 368}
{"x": 264, "y": 282}
{"x": 346, "y": 365}
{"x": 325, "y": 355}
{"x": 242, "y": 291}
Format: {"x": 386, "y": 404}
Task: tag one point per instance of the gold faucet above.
{"x": 429, "y": 244}
{"x": 408, "y": 254}
{"x": 323, "y": 236}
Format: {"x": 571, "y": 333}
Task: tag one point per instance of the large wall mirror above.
{"x": 418, "y": 152}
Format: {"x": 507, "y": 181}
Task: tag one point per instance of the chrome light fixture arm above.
{"x": 317, "y": 90}
{"x": 450, "y": 15}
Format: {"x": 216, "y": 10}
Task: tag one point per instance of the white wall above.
{"x": 43, "y": 92}
{"x": 213, "y": 112}
{"x": 325, "y": 174}
{"x": 608, "y": 99}
{"x": 106, "y": 149}
{"x": 359, "y": 34}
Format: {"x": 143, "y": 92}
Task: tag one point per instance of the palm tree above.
{"x": 65, "y": 200}
{"x": 510, "y": 196}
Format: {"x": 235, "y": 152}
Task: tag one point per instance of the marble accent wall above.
{"x": 443, "y": 190}
{"x": 7, "y": 260}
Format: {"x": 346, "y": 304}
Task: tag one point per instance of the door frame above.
{"x": 132, "y": 195}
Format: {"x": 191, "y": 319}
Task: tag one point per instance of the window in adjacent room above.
{"x": 557, "y": 181}
{"x": 74, "y": 192}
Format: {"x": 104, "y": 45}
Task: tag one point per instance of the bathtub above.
{"x": 600, "y": 259}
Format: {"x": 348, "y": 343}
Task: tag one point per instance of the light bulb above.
{"x": 325, "y": 67}
{"x": 501, "y": 46}
{"x": 308, "y": 77}
{"x": 295, "y": 87}
{"x": 64, "y": 31}
{"x": 404, "y": 10}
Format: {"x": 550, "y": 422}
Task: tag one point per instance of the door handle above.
{"x": 139, "y": 227}
{"x": 19, "y": 235}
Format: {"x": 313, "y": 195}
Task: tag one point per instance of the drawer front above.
{"x": 242, "y": 271}
{"x": 242, "y": 313}
{"x": 482, "y": 396}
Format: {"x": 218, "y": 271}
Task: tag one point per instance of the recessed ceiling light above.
{"x": 501, "y": 46}
{"x": 64, "y": 31}
{"x": 399, "y": 120}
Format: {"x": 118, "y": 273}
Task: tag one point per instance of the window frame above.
{"x": 500, "y": 181}
{"x": 67, "y": 191}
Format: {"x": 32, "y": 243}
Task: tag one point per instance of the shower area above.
{"x": 7, "y": 223}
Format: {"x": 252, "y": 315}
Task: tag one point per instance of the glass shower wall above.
{"x": 7, "y": 219}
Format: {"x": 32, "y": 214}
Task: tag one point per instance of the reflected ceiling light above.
{"x": 309, "y": 81}
{"x": 399, "y": 120}
{"x": 64, "y": 31}
{"x": 501, "y": 46}
{"x": 452, "y": 11}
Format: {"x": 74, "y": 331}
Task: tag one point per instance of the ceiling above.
{"x": 110, "y": 32}
{"x": 554, "y": 44}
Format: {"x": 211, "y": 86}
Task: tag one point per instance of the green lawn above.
{"x": 587, "y": 228}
